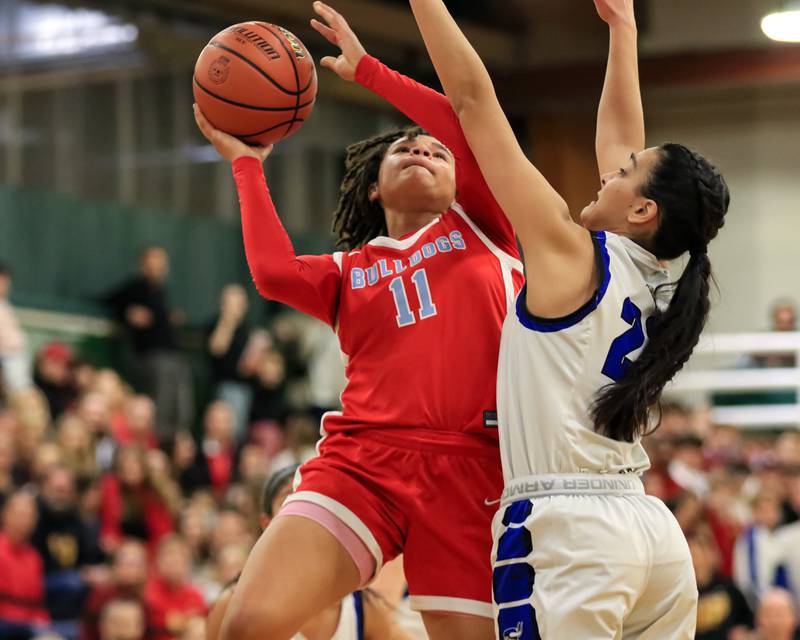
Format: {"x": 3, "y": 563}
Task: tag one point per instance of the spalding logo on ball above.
{"x": 256, "y": 81}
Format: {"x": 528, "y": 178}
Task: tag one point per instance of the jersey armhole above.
{"x": 551, "y": 325}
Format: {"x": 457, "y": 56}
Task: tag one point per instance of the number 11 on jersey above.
{"x": 405, "y": 316}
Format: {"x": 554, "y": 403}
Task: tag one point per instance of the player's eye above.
{"x": 440, "y": 155}
{"x": 622, "y": 172}
{"x": 402, "y": 150}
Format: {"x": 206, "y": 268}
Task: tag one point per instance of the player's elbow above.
{"x": 271, "y": 282}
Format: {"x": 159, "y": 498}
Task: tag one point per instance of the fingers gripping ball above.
{"x": 255, "y": 81}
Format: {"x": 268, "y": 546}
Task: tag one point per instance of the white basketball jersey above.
{"x": 551, "y": 370}
{"x": 351, "y": 619}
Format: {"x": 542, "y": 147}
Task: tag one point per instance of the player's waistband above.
{"x": 579, "y": 484}
{"x": 432, "y": 441}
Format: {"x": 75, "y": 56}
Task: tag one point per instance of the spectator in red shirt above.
{"x": 122, "y": 619}
{"x": 131, "y": 504}
{"x": 137, "y": 424}
{"x": 128, "y": 577}
{"x": 22, "y": 610}
{"x": 171, "y": 600}
{"x": 215, "y": 460}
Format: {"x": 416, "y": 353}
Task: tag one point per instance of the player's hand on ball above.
{"x": 338, "y": 33}
{"x": 616, "y": 12}
{"x": 226, "y": 145}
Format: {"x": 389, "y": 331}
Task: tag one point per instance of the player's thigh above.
{"x": 296, "y": 569}
{"x": 566, "y": 602}
{"x": 447, "y": 626}
{"x": 668, "y": 606}
{"x": 561, "y": 569}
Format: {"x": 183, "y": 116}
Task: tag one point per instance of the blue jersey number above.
{"x": 405, "y": 316}
{"x": 617, "y": 362}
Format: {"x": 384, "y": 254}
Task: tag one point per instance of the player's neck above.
{"x": 401, "y": 223}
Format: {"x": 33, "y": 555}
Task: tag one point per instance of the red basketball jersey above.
{"x": 419, "y": 325}
{"x": 418, "y": 318}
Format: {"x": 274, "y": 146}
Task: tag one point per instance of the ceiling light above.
{"x": 783, "y": 26}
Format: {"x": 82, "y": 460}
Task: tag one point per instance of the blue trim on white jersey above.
{"x": 358, "y": 603}
{"x": 548, "y": 325}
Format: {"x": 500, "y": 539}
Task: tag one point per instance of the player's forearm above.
{"x": 309, "y": 284}
{"x": 422, "y": 105}
{"x": 620, "y": 117}
{"x": 462, "y": 73}
{"x": 269, "y": 250}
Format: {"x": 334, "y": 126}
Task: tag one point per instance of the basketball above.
{"x": 255, "y": 81}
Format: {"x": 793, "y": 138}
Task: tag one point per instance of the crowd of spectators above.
{"x": 123, "y": 516}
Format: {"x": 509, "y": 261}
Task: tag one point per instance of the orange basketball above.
{"x": 256, "y": 81}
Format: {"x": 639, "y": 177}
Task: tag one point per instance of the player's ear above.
{"x": 644, "y": 212}
{"x": 374, "y": 193}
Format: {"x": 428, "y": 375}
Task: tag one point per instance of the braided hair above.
{"x": 692, "y": 199}
{"x": 357, "y": 219}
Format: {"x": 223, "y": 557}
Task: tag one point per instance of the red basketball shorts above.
{"x": 428, "y": 495}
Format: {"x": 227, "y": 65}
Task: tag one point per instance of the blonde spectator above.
{"x": 7, "y": 461}
{"x": 32, "y": 419}
{"x": 48, "y": 455}
{"x": 132, "y": 504}
{"x": 76, "y": 445}
{"x": 194, "y": 528}
{"x": 136, "y": 424}
{"x": 108, "y": 383}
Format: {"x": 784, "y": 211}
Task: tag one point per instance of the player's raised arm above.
{"x": 309, "y": 284}
{"x": 620, "y": 117}
{"x": 425, "y": 107}
{"x": 556, "y": 249}
{"x": 533, "y": 206}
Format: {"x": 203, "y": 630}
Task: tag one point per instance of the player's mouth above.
{"x": 416, "y": 162}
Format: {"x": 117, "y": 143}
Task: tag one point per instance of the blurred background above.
{"x": 105, "y": 183}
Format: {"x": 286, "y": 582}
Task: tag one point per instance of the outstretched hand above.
{"x": 616, "y": 12}
{"x": 339, "y": 34}
{"x": 226, "y": 145}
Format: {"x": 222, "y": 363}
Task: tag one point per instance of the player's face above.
{"x": 620, "y": 202}
{"x": 417, "y": 175}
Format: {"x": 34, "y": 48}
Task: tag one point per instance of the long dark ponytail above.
{"x": 692, "y": 199}
{"x": 357, "y": 219}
